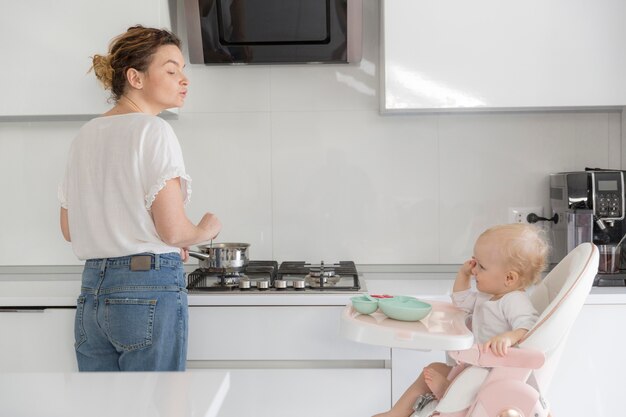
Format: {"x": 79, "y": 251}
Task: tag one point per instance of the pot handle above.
{"x": 199, "y": 255}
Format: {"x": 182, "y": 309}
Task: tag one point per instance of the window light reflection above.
{"x": 414, "y": 90}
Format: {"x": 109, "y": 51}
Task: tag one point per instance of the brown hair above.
{"x": 132, "y": 49}
{"x": 524, "y": 248}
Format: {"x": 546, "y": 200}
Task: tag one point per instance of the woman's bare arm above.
{"x": 172, "y": 223}
{"x": 65, "y": 225}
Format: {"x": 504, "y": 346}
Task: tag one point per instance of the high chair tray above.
{"x": 443, "y": 329}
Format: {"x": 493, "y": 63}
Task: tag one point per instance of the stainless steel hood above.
{"x": 274, "y": 31}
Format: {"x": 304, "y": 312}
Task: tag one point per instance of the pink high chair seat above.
{"x": 491, "y": 386}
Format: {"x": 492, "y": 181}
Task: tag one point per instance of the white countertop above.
{"x": 194, "y": 393}
{"x": 129, "y": 394}
{"x": 34, "y": 287}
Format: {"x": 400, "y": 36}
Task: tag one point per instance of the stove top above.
{"x": 267, "y": 277}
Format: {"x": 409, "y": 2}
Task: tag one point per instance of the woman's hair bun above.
{"x": 132, "y": 49}
{"x": 101, "y": 66}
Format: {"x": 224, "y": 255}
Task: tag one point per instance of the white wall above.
{"x": 297, "y": 161}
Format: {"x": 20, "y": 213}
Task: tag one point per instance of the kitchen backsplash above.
{"x": 298, "y": 162}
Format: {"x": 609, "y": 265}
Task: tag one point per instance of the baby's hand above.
{"x": 499, "y": 344}
{"x": 466, "y": 268}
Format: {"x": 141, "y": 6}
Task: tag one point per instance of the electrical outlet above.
{"x": 519, "y": 214}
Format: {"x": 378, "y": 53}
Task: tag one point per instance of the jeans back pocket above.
{"x": 129, "y": 322}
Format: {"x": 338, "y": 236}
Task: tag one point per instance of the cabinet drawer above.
{"x": 37, "y": 340}
{"x": 306, "y": 393}
{"x": 273, "y": 333}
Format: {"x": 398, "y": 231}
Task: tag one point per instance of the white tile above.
{"x": 491, "y": 162}
{"x": 228, "y": 158}
{"x": 33, "y": 157}
{"x": 329, "y": 87}
{"x": 227, "y": 89}
{"x": 623, "y": 141}
{"x": 223, "y": 88}
{"x": 332, "y": 87}
{"x": 354, "y": 186}
{"x": 615, "y": 140}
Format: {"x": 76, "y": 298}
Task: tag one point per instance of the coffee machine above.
{"x": 589, "y": 206}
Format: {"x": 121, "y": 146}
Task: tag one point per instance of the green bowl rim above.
{"x": 364, "y": 298}
{"x": 397, "y": 304}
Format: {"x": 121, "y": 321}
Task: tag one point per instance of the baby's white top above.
{"x": 512, "y": 311}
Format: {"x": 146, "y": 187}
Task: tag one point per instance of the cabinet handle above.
{"x": 22, "y": 310}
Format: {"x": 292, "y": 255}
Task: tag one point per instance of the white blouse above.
{"x": 116, "y": 167}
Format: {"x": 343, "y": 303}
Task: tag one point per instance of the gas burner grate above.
{"x": 341, "y": 269}
{"x": 297, "y": 267}
{"x": 214, "y": 279}
{"x": 268, "y": 277}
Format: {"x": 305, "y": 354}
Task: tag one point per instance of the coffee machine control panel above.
{"x": 608, "y": 194}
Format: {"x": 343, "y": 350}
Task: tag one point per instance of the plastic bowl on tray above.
{"x": 404, "y": 308}
{"x": 364, "y": 304}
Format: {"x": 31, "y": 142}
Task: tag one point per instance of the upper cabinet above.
{"x": 46, "y": 48}
{"x": 456, "y": 55}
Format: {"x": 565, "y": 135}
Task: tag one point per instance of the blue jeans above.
{"x": 130, "y": 318}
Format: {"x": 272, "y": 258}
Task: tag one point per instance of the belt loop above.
{"x": 103, "y": 265}
{"x": 157, "y": 261}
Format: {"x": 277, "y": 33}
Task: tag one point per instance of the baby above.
{"x": 507, "y": 260}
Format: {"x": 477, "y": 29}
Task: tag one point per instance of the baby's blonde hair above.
{"x": 524, "y": 249}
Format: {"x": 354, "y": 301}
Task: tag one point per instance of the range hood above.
{"x": 274, "y": 31}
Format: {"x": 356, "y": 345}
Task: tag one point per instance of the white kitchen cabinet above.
{"x": 294, "y": 333}
{"x": 306, "y": 392}
{"x": 37, "y": 340}
{"x": 457, "y": 55}
{"x": 289, "y": 361}
{"x": 47, "y": 45}
{"x": 589, "y": 379}
{"x": 206, "y": 393}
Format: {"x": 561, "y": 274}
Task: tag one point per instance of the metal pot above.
{"x": 232, "y": 257}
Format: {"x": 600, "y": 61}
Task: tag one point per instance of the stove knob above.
{"x": 299, "y": 284}
{"x": 244, "y": 284}
{"x": 263, "y": 285}
{"x": 280, "y": 284}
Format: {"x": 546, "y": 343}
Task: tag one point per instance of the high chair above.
{"x": 512, "y": 386}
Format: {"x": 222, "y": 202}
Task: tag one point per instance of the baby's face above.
{"x": 490, "y": 270}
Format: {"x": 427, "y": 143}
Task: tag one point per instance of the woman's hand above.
{"x": 184, "y": 254}
{"x": 211, "y": 224}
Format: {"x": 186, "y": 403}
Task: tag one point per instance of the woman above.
{"x": 122, "y": 207}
